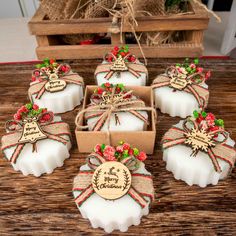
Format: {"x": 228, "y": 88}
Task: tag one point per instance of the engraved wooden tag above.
{"x": 199, "y": 140}
{"x": 107, "y": 99}
{"x": 55, "y": 85}
{"x": 31, "y": 132}
{"x": 178, "y": 83}
{"x": 119, "y": 65}
{"x": 111, "y": 180}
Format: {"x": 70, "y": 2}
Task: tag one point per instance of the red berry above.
{"x": 23, "y": 109}
{"x": 107, "y": 84}
{"x": 118, "y": 89}
{"x": 200, "y": 69}
{"x": 119, "y": 149}
{"x": 17, "y": 116}
{"x": 114, "y": 52}
{"x": 35, "y": 107}
{"x": 213, "y": 128}
{"x": 37, "y": 73}
{"x": 99, "y": 91}
{"x": 110, "y": 58}
{"x": 123, "y": 54}
{"x": 100, "y": 153}
{"x": 126, "y": 146}
{"x": 142, "y": 156}
{"x": 97, "y": 148}
{"x": 131, "y": 152}
{"x": 46, "y": 117}
{"x": 116, "y": 48}
{"x": 200, "y": 119}
{"x": 33, "y": 78}
{"x": 51, "y": 61}
{"x": 132, "y": 59}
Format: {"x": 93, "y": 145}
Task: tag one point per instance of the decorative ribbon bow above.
{"x": 115, "y": 104}
{"x": 110, "y": 68}
{"x": 214, "y": 148}
{"x": 52, "y": 130}
{"x": 38, "y": 88}
{"x": 188, "y": 84}
{"x": 141, "y": 184}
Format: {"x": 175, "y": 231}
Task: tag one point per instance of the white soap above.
{"x": 125, "y": 78}
{"x": 197, "y": 170}
{"x": 178, "y": 103}
{"x": 128, "y": 122}
{"x": 113, "y": 215}
{"x": 50, "y": 155}
{"x": 61, "y": 101}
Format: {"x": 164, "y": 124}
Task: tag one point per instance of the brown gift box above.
{"x": 143, "y": 140}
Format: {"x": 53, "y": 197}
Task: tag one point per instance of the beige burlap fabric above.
{"x": 149, "y": 7}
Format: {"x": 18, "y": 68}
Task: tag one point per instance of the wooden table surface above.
{"x": 45, "y": 206}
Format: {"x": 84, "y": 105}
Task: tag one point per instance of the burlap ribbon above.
{"x": 193, "y": 87}
{"x": 118, "y": 104}
{"x": 177, "y": 136}
{"x": 134, "y": 68}
{"x": 53, "y": 130}
{"x": 141, "y": 184}
{"x": 38, "y": 88}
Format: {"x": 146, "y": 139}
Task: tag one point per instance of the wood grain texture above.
{"x": 45, "y": 206}
{"x": 192, "y": 24}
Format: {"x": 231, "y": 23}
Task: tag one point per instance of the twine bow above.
{"x": 52, "y": 130}
{"x": 189, "y": 84}
{"x": 39, "y": 88}
{"x": 134, "y": 68}
{"x": 141, "y": 184}
{"x": 215, "y": 148}
{"x": 115, "y": 104}
{"x": 124, "y": 10}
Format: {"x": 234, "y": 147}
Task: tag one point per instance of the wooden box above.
{"x": 144, "y": 140}
{"x": 191, "y": 25}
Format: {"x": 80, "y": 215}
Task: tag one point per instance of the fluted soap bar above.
{"x": 120, "y": 66}
{"x": 36, "y": 142}
{"x": 181, "y": 89}
{"x": 56, "y": 87}
{"x": 114, "y": 190}
{"x": 199, "y": 152}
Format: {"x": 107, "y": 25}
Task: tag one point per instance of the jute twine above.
{"x": 87, "y": 9}
{"x": 76, "y": 9}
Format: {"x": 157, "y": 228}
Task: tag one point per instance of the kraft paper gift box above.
{"x": 144, "y": 140}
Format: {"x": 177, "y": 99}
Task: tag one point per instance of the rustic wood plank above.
{"x": 97, "y": 51}
{"x": 82, "y": 26}
{"x": 42, "y": 40}
{"x": 198, "y": 20}
{"x": 30, "y": 205}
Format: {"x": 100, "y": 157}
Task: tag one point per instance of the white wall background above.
{"x": 17, "y": 8}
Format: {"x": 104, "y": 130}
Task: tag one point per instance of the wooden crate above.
{"x": 47, "y": 32}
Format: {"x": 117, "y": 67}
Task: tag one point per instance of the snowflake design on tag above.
{"x": 199, "y": 140}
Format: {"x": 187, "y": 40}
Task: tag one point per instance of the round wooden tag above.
{"x": 111, "y": 180}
